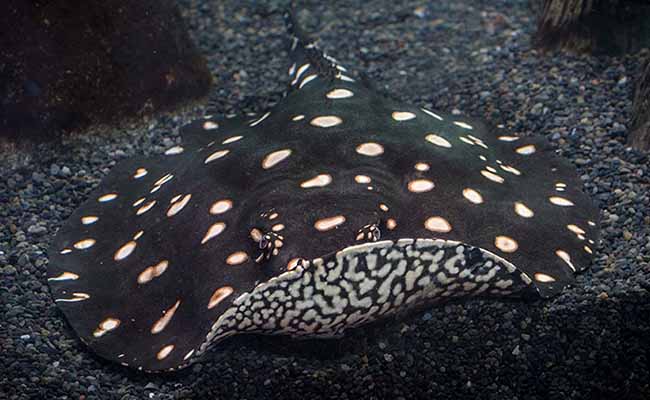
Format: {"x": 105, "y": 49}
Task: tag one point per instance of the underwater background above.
{"x": 463, "y": 57}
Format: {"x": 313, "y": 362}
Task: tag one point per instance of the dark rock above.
{"x": 65, "y": 65}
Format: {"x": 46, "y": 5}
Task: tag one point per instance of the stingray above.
{"x": 337, "y": 207}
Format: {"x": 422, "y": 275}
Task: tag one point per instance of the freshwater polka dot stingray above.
{"x": 337, "y": 207}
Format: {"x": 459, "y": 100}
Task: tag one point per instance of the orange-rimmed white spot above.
{"x": 576, "y": 229}
{"x": 588, "y": 249}
{"x": 277, "y": 227}
{"x": 422, "y": 167}
{"x": 84, "y": 244}
{"x": 146, "y": 207}
{"x": 317, "y": 181}
{"x": 540, "y": 277}
{"x": 391, "y": 224}
{"x": 209, "y": 125}
{"x": 216, "y": 155}
{"x": 508, "y": 138}
{"x": 523, "y": 210}
{"x": 219, "y": 295}
{"x": 140, "y": 172}
{"x": 232, "y": 139}
{"x": 566, "y": 258}
{"x": 293, "y": 263}
{"x": 89, "y": 219}
{"x": 307, "y": 80}
{"x": 152, "y": 272}
{"x": 437, "y": 140}
{"x": 124, "y": 251}
{"x": 65, "y": 251}
{"x": 339, "y": 94}
{"x": 402, "y": 115}
{"x": 364, "y": 179}
{"x": 506, "y": 244}
{"x": 175, "y": 198}
{"x": 76, "y": 296}
{"x": 65, "y": 276}
{"x": 188, "y": 355}
{"x": 105, "y": 326}
{"x": 299, "y": 117}
{"x": 431, "y": 113}
{"x": 492, "y": 169}
{"x": 560, "y": 201}
{"x": 276, "y": 157}
{"x": 463, "y": 125}
{"x": 511, "y": 169}
{"x": 591, "y": 223}
{"x": 420, "y": 185}
{"x": 262, "y": 118}
{"x": 214, "y": 230}
{"x": 437, "y": 224}
{"x": 236, "y": 258}
{"x": 162, "y": 323}
{"x": 164, "y": 352}
{"x": 383, "y": 207}
{"x": 139, "y": 201}
{"x": 326, "y": 224}
{"x": 370, "y": 149}
{"x": 326, "y": 121}
{"x": 172, "y": 151}
{"x": 176, "y": 207}
{"x": 107, "y": 197}
{"x": 273, "y": 216}
{"x": 492, "y": 176}
{"x": 526, "y": 150}
{"x": 472, "y": 195}
{"x": 164, "y": 180}
{"x": 221, "y": 206}
{"x": 466, "y": 140}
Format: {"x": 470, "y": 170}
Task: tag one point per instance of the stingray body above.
{"x": 337, "y": 207}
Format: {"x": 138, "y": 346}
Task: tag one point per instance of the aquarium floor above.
{"x": 461, "y": 56}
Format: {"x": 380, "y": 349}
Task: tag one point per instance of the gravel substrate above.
{"x": 466, "y": 56}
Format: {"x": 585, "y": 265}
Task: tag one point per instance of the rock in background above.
{"x": 65, "y": 65}
{"x": 640, "y": 134}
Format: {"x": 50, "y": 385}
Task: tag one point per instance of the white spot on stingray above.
{"x": 301, "y": 70}
{"x": 370, "y": 149}
{"x": 298, "y": 118}
{"x": 164, "y": 180}
{"x": 422, "y": 167}
{"x": 339, "y": 94}
{"x": 188, "y": 355}
{"x": 221, "y": 206}
{"x": 363, "y": 179}
{"x": 420, "y": 185}
{"x": 65, "y": 276}
{"x": 466, "y": 140}
{"x": 236, "y": 258}
{"x": 391, "y": 224}
{"x": 437, "y": 140}
{"x": 317, "y": 181}
{"x": 219, "y": 295}
{"x": 124, "y": 251}
{"x": 292, "y": 69}
{"x": 307, "y": 80}
{"x": 84, "y": 244}
{"x": 511, "y": 169}
{"x": 431, "y": 113}
{"x": 232, "y": 139}
{"x": 383, "y": 207}
{"x": 107, "y": 197}
{"x": 175, "y": 198}
{"x": 152, "y": 272}
{"x": 591, "y": 223}
{"x": 326, "y": 121}
{"x": 216, "y": 155}
{"x": 437, "y": 224}
{"x": 139, "y": 201}
{"x": 277, "y": 227}
{"x": 560, "y": 201}
{"x": 523, "y": 211}
{"x": 176, "y": 207}
{"x": 473, "y": 196}
{"x": 506, "y": 244}
{"x": 213, "y": 231}
{"x": 566, "y": 258}
{"x": 164, "y": 352}
{"x": 162, "y": 323}
{"x": 344, "y": 78}
{"x": 262, "y": 118}
{"x": 588, "y": 249}
{"x": 105, "y": 326}
{"x": 463, "y": 125}
{"x": 576, "y": 229}
{"x": 540, "y": 277}
{"x": 139, "y": 173}
{"x": 76, "y": 296}
{"x": 89, "y": 219}
{"x": 326, "y": 224}
{"x": 209, "y": 125}
{"x": 491, "y": 169}
{"x": 65, "y": 251}
{"x": 402, "y": 115}
{"x": 492, "y": 176}
{"x": 174, "y": 150}
{"x": 526, "y": 150}
{"x": 508, "y": 138}
{"x": 146, "y": 207}
{"x": 274, "y": 158}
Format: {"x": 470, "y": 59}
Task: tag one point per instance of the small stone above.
{"x": 516, "y": 351}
